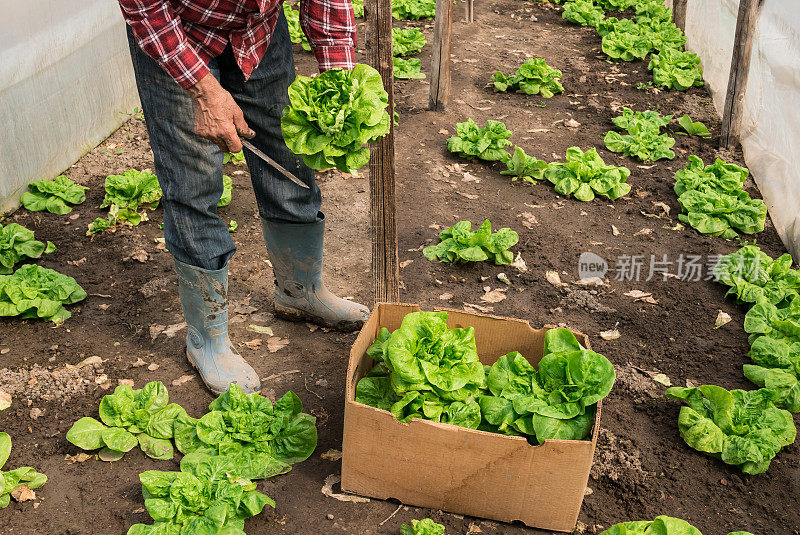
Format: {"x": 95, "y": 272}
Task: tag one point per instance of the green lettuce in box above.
{"x": 555, "y": 401}
{"x": 426, "y": 370}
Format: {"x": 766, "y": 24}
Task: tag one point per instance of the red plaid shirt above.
{"x": 183, "y": 35}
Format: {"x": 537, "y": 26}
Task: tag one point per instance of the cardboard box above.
{"x": 460, "y": 470}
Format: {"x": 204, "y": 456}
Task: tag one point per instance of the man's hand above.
{"x": 217, "y": 117}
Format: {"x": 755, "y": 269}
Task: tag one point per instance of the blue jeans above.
{"x": 189, "y": 168}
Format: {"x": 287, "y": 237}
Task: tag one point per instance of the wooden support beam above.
{"x": 679, "y": 13}
{"x": 440, "y": 62}
{"x": 385, "y": 266}
{"x": 740, "y": 70}
{"x": 470, "y": 11}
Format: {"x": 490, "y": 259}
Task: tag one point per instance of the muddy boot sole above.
{"x": 212, "y": 390}
{"x": 293, "y": 314}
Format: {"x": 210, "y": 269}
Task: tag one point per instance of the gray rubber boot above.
{"x": 295, "y": 250}
{"x": 204, "y": 299}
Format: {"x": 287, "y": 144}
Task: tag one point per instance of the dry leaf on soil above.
{"x": 5, "y": 400}
{"x": 172, "y": 330}
{"x": 478, "y": 308}
{"x": 528, "y": 219}
{"x": 662, "y": 379}
{"x": 260, "y": 329}
{"x": 182, "y": 379}
{"x": 494, "y": 296}
{"x": 663, "y": 206}
{"x": 519, "y": 263}
{"x": 276, "y": 343}
{"x": 332, "y": 455}
{"x": 255, "y": 343}
{"x": 23, "y": 494}
{"x": 327, "y": 490}
{"x": 722, "y": 319}
{"x": 611, "y": 334}
{"x": 554, "y": 278}
{"x": 77, "y": 458}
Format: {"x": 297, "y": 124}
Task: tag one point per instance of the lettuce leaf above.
{"x": 407, "y": 69}
{"x": 674, "y": 69}
{"x": 18, "y": 243}
{"x": 427, "y": 371}
{"x": 130, "y": 191}
{"x": 534, "y": 77}
{"x": 522, "y": 166}
{"x": 426, "y": 526}
{"x": 407, "y": 41}
{"x": 487, "y": 143}
{"x": 250, "y": 426}
{"x": 740, "y": 427}
{"x": 358, "y": 8}
{"x": 414, "y": 9}
{"x": 662, "y": 525}
{"x": 55, "y": 195}
{"x": 227, "y": 191}
{"x": 714, "y": 200}
{"x": 208, "y": 495}
{"x": 296, "y": 33}
{"x": 625, "y": 45}
{"x": 37, "y": 292}
{"x": 775, "y": 350}
{"x": 460, "y": 244}
{"x": 332, "y": 117}
{"x": 11, "y": 480}
{"x": 129, "y": 417}
{"x": 558, "y": 400}
{"x": 754, "y": 277}
{"x": 583, "y": 12}
{"x": 585, "y": 175}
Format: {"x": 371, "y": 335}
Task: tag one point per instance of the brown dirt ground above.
{"x": 643, "y": 468}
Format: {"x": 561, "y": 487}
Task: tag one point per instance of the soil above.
{"x": 132, "y": 320}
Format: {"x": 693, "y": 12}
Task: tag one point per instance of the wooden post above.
{"x": 440, "y": 62}
{"x": 740, "y": 70}
{"x": 381, "y": 163}
{"x": 470, "y": 12}
{"x": 679, "y": 13}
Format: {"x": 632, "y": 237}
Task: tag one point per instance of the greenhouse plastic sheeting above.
{"x": 770, "y": 129}
{"x": 65, "y": 82}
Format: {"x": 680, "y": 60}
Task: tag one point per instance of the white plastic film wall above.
{"x": 65, "y": 82}
{"x": 771, "y": 122}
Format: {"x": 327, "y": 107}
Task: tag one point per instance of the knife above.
{"x": 274, "y": 164}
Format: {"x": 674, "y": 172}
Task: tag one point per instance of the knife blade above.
{"x": 274, "y": 164}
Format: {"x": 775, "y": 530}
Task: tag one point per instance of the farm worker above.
{"x": 209, "y": 71}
